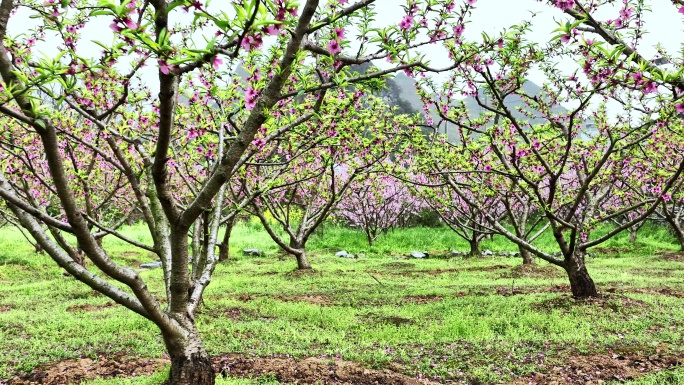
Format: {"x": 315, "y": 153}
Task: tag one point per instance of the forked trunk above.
{"x": 190, "y": 363}
{"x": 300, "y": 254}
{"x": 527, "y": 257}
{"x": 581, "y": 284}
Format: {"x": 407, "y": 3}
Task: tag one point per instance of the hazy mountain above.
{"x": 400, "y": 91}
{"x": 514, "y": 103}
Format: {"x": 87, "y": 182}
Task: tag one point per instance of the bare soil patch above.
{"x": 5, "y": 308}
{"x": 422, "y": 299}
{"x": 486, "y": 268}
{"x": 659, "y": 291}
{"x": 80, "y": 294}
{"x": 609, "y": 250}
{"x": 455, "y": 270}
{"x": 233, "y": 313}
{"x": 615, "y": 294}
{"x": 312, "y": 370}
{"x": 375, "y": 318}
{"x": 315, "y": 299}
{"x": 515, "y": 290}
{"x": 429, "y": 272}
{"x": 73, "y": 371}
{"x": 672, "y": 257}
{"x": 599, "y": 368}
{"x": 244, "y": 297}
{"x": 89, "y": 307}
{"x": 654, "y": 272}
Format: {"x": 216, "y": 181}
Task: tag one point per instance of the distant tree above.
{"x": 567, "y": 172}
{"x": 303, "y": 184}
{"x": 376, "y": 203}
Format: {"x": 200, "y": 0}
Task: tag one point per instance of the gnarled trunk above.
{"x": 581, "y": 284}
{"x": 300, "y": 254}
{"x": 190, "y": 363}
{"x": 527, "y": 257}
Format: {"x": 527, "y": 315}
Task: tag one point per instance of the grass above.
{"x": 468, "y": 320}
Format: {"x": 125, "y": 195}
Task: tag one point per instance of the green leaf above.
{"x": 40, "y": 123}
{"x": 175, "y": 4}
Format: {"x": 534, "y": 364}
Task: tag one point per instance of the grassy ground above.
{"x": 477, "y": 320}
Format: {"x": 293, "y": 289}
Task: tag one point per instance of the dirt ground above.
{"x": 574, "y": 368}
{"x": 73, "y": 371}
{"x": 598, "y": 369}
{"x": 309, "y": 371}
{"x": 577, "y": 369}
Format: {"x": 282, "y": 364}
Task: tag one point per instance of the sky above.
{"x": 663, "y": 23}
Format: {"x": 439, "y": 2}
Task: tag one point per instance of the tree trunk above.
{"x": 474, "y": 247}
{"x": 633, "y": 234}
{"x": 300, "y": 254}
{"x": 370, "y": 237}
{"x": 302, "y": 261}
{"x": 679, "y": 233}
{"x": 224, "y": 246}
{"x": 581, "y": 284}
{"x": 527, "y": 257}
{"x": 676, "y": 229}
{"x": 190, "y": 363}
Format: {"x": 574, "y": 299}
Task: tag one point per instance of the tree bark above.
{"x": 224, "y": 246}
{"x": 474, "y": 247}
{"x": 633, "y": 234}
{"x": 300, "y": 253}
{"x": 581, "y": 284}
{"x": 190, "y": 363}
{"x": 527, "y": 257}
{"x": 370, "y": 237}
{"x": 302, "y": 261}
{"x": 679, "y": 233}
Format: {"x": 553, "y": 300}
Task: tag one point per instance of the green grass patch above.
{"x": 458, "y": 319}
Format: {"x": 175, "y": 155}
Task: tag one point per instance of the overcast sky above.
{"x": 663, "y": 23}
